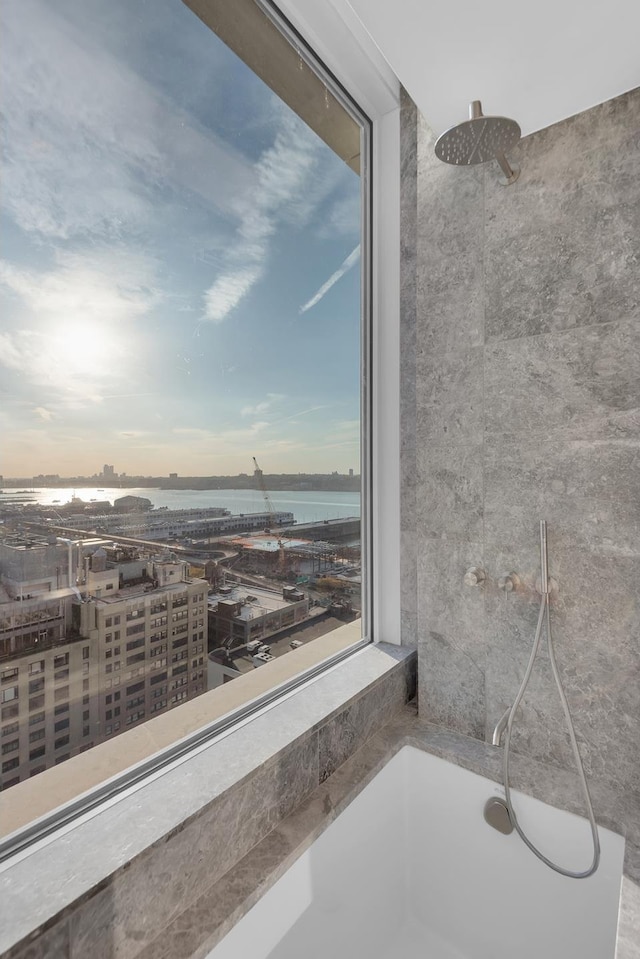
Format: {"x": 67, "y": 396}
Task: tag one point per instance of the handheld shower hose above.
{"x": 544, "y": 614}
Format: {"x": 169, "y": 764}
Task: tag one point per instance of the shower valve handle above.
{"x": 509, "y": 582}
{"x": 474, "y": 576}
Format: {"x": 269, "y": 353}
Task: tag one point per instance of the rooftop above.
{"x": 256, "y": 600}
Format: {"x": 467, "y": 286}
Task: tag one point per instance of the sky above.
{"x": 179, "y": 255}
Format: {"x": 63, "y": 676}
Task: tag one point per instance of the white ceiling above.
{"x": 538, "y": 63}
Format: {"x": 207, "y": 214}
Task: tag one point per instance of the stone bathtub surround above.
{"x": 209, "y": 915}
{"x": 524, "y": 368}
{"x": 111, "y": 884}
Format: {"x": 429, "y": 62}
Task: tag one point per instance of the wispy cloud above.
{"x": 43, "y": 413}
{"x": 291, "y": 178}
{"x": 345, "y": 266}
{"x": 264, "y": 406}
{"x": 78, "y": 166}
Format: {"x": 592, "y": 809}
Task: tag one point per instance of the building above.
{"x": 81, "y": 663}
{"x": 176, "y": 524}
{"x": 240, "y": 616}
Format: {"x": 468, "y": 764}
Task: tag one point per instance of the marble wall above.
{"x": 521, "y": 378}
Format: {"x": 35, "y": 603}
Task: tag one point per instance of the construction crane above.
{"x": 271, "y": 511}
{"x": 261, "y": 483}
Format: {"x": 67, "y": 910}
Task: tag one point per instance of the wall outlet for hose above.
{"x": 554, "y": 587}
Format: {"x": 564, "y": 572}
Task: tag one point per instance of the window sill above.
{"x": 28, "y": 801}
{"x": 191, "y": 822}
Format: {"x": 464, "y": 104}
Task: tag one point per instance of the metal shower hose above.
{"x": 544, "y": 613}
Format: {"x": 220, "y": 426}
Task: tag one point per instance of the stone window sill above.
{"x": 126, "y": 869}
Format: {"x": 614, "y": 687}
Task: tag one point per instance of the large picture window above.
{"x": 183, "y": 335}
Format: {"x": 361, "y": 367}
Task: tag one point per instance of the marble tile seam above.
{"x": 431, "y": 358}
{"x": 494, "y": 339}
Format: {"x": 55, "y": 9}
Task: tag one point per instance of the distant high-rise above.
{"x": 108, "y": 471}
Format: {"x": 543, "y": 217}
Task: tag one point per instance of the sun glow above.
{"x": 83, "y": 350}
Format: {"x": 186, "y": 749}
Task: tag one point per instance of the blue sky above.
{"x": 179, "y": 272}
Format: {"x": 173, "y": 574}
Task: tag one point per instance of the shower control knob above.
{"x": 474, "y": 576}
{"x": 509, "y": 582}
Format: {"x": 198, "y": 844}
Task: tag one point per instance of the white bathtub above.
{"x": 410, "y": 870}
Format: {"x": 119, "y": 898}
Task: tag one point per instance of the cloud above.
{"x": 79, "y": 164}
{"x": 291, "y": 178}
{"x": 264, "y": 406}
{"x": 343, "y": 218}
{"x": 225, "y": 294}
{"x": 43, "y": 413}
{"x": 346, "y": 265}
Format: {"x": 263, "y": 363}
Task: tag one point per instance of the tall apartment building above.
{"x": 81, "y": 663}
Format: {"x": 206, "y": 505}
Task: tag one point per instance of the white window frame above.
{"x": 336, "y": 36}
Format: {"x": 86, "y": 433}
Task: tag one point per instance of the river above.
{"x": 307, "y": 506}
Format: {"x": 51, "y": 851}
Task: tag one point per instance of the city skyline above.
{"x": 180, "y": 284}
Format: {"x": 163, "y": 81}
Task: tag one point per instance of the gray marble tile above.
{"x": 450, "y": 686}
{"x": 584, "y": 485}
{"x": 164, "y": 878}
{"x": 594, "y": 620}
{"x": 449, "y": 397}
{"x": 408, "y": 489}
{"x": 447, "y": 604}
{"x": 451, "y": 646}
{"x": 408, "y": 260}
{"x": 343, "y": 735}
{"x": 53, "y": 943}
{"x": 450, "y": 268}
{"x": 610, "y": 127}
{"x": 628, "y": 945}
{"x": 409, "y": 627}
{"x": 92, "y": 927}
{"x": 449, "y": 297}
{"x": 584, "y": 379}
{"x": 561, "y": 246}
{"x": 408, "y": 569}
{"x": 450, "y": 491}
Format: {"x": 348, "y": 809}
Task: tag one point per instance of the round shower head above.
{"x": 478, "y": 140}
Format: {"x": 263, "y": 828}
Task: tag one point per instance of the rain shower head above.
{"x": 478, "y": 140}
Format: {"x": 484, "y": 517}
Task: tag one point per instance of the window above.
{"x": 6, "y": 695}
{"x": 10, "y": 747}
{"x": 36, "y": 718}
{"x": 10, "y": 729}
{"x": 9, "y": 674}
{"x": 136, "y": 658}
{"x": 135, "y": 644}
{"x": 252, "y": 232}
{"x": 10, "y": 764}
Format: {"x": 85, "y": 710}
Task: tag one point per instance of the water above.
{"x": 307, "y": 506}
